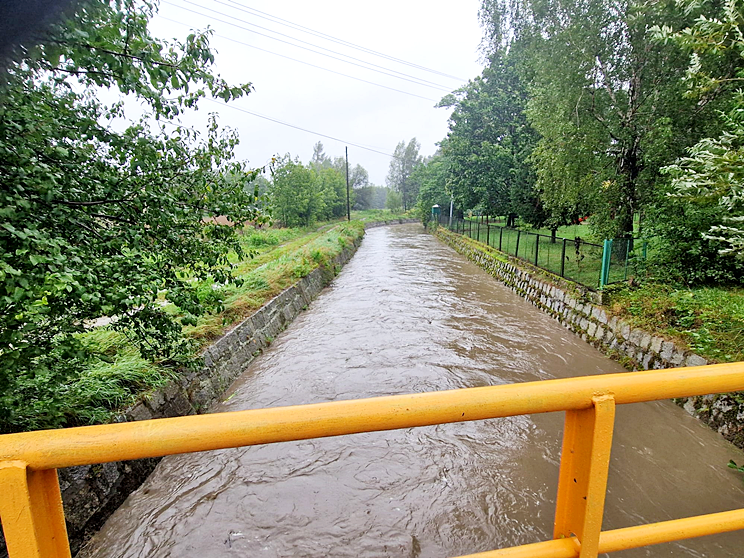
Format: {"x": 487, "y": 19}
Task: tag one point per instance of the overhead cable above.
{"x": 320, "y": 34}
{"x": 401, "y": 75}
{"x": 301, "y": 129}
{"x": 303, "y": 62}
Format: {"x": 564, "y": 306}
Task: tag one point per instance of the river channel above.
{"x": 408, "y": 314}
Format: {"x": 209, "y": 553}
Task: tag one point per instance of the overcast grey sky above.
{"x": 441, "y": 36}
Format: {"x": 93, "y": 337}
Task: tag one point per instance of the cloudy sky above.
{"x": 298, "y": 56}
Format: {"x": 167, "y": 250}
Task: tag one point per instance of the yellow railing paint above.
{"x": 31, "y": 508}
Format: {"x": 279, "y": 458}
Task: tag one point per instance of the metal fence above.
{"x": 572, "y": 258}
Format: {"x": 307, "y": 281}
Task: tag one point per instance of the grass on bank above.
{"x": 116, "y": 375}
{"x": 707, "y": 320}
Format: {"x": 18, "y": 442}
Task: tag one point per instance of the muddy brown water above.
{"x": 408, "y": 314}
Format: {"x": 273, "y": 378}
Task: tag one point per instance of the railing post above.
{"x": 501, "y": 235}
{"x": 537, "y": 247}
{"x": 563, "y": 259}
{"x": 31, "y": 511}
{"x": 582, "y": 484}
{"x": 478, "y": 230}
{"x": 488, "y": 234}
{"x": 516, "y": 249}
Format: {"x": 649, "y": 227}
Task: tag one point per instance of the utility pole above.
{"x": 348, "y": 195}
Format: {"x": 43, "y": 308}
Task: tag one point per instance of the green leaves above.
{"x": 98, "y": 223}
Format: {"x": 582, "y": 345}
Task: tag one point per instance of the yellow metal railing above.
{"x": 31, "y": 505}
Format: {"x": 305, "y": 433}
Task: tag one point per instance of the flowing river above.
{"x": 408, "y": 314}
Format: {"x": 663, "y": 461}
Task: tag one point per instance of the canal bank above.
{"x": 92, "y": 493}
{"x": 580, "y": 310}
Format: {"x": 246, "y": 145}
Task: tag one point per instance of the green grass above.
{"x": 267, "y": 274}
{"x": 116, "y": 376}
{"x": 709, "y": 321}
{"x": 377, "y": 215}
{"x": 582, "y": 266}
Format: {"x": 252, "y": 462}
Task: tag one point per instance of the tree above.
{"x": 370, "y": 197}
{"x": 394, "y": 201}
{"x": 606, "y": 98}
{"x": 331, "y": 184}
{"x": 295, "y": 196}
{"x": 319, "y": 160}
{"x": 358, "y": 177}
{"x": 711, "y": 174}
{"x": 490, "y": 142}
{"x": 95, "y": 222}
{"x": 405, "y": 159}
{"x": 431, "y": 179}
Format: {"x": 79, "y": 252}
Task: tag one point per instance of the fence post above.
{"x": 537, "y": 247}
{"x": 488, "y": 234}
{"x": 470, "y": 228}
{"x": 516, "y": 249}
{"x": 627, "y": 255}
{"x": 501, "y": 235}
{"x": 604, "y": 273}
{"x": 563, "y": 259}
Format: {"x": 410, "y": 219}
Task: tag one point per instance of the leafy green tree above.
{"x": 431, "y": 179}
{"x": 606, "y": 98}
{"x": 405, "y": 159}
{"x": 394, "y": 201}
{"x": 711, "y": 177}
{"x": 490, "y": 142}
{"x": 95, "y": 222}
{"x": 331, "y": 184}
{"x": 295, "y": 196}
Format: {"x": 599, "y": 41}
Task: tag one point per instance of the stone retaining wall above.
{"x": 92, "y": 493}
{"x": 579, "y": 309}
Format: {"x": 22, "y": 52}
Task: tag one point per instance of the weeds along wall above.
{"x": 580, "y": 310}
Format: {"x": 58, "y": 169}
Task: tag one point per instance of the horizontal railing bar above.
{"x": 628, "y": 537}
{"x": 558, "y": 548}
{"x": 52, "y": 449}
{"x": 668, "y": 531}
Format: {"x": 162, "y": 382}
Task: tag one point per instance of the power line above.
{"x": 297, "y": 26}
{"x": 301, "y": 129}
{"x": 311, "y": 44}
{"x": 412, "y": 79}
{"x": 303, "y": 62}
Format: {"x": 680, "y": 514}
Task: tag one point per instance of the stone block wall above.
{"x": 579, "y": 309}
{"x": 92, "y": 493}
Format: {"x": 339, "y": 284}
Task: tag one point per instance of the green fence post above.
{"x": 604, "y": 273}
{"x": 516, "y": 250}
{"x": 537, "y": 247}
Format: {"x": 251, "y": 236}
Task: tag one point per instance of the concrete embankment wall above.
{"x": 580, "y": 310}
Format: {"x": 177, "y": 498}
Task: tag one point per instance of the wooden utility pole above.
{"x": 348, "y": 195}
